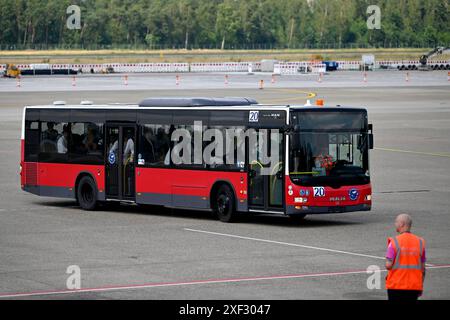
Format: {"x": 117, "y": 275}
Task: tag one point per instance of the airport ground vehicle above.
{"x": 125, "y": 153}
{"x": 11, "y": 71}
{"x": 331, "y": 65}
{"x": 425, "y": 66}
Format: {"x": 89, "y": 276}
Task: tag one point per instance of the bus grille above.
{"x": 31, "y": 172}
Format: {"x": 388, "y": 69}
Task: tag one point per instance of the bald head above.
{"x": 403, "y": 222}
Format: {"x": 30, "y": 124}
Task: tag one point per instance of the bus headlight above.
{"x": 369, "y": 197}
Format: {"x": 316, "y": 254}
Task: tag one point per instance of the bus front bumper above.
{"x": 301, "y": 210}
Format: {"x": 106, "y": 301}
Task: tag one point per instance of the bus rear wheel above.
{"x": 87, "y": 194}
{"x": 224, "y": 204}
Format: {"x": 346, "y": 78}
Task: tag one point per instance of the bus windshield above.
{"x": 329, "y": 149}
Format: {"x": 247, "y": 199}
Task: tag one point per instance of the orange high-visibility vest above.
{"x": 406, "y": 272}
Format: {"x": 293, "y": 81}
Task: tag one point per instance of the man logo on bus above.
{"x": 353, "y": 194}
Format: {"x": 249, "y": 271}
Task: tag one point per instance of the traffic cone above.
{"x": 125, "y": 80}
{"x": 448, "y": 76}
{"x": 261, "y": 84}
{"x": 226, "y": 79}
{"x": 19, "y": 83}
{"x": 273, "y": 79}
{"x": 320, "y": 77}
{"x": 365, "y": 76}
{"x": 74, "y": 81}
{"x": 177, "y": 80}
{"x": 407, "y": 77}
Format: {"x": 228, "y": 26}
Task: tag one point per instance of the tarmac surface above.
{"x": 147, "y": 253}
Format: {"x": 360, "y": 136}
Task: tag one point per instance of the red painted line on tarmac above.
{"x": 193, "y": 282}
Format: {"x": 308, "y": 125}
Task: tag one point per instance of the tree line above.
{"x": 223, "y": 24}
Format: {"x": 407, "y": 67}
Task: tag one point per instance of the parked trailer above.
{"x": 46, "y": 69}
{"x": 414, "y": 65}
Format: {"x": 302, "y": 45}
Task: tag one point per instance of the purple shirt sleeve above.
{"x": 424, "y": 257}
{"x": 390, "y": 254}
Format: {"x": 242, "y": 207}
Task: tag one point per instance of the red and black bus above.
{"x": 124, "y": 153}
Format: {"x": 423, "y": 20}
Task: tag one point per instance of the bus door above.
{"x": 120, "y": 161}
{"x": 266, "y": 180}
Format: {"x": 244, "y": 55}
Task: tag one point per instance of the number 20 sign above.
{"x": 319, "y": 191}
{"x": 253, "y": 116}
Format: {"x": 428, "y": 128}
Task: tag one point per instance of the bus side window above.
{"x": 54, "y": 141}
{"x": 154, "y": 146}
{"x": 86, "y": 143}
{"x": 228, "y": 153}
{"x": 32, "y": 134}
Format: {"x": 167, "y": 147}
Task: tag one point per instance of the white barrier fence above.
{"x": 279, "y": 68}
{"x": 348, "y": 65}
{"x": 225, "y": 66}
{"x": 299, "y": 67}
{"x": 317, "y": 67}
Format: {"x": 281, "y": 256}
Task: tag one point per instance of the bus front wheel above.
{"x": 224, "y": 204}
{"x": 87, "y": 194}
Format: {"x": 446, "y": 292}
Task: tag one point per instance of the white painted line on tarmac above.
{"x": 290, "y": 244}
{"x": 286, "y": 244}
{"x": 194, "y": 282}
{"x": 434, "y": 154}
{"x": 173, "y": 284}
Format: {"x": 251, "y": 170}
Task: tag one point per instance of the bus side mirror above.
{"x": 371, "y": 146}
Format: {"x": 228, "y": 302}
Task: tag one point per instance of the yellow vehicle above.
{"x": 12, "y": 71}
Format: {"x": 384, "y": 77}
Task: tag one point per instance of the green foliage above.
{"x": 223, "y": 23}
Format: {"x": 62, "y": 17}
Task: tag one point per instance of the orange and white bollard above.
{"x": 18, "y": 82}
{"x": 407, "y": 77}
{"x": 74, "y": 81}
{"x": 365, "y": 77}
{"x": 320, "y": 77}
{"x": 273, "y": 79}
{"x": 125, "y": 80}
{"x": 226, "y": 79}
{"x": 261, "y": 84}
{"x": 177, "y": 80}
{"x": 448, "y": 76}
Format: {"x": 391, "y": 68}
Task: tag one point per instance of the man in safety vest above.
{"x": 405, "y": 262}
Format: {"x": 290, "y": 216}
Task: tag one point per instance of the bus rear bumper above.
{"x": 301, "y": 210}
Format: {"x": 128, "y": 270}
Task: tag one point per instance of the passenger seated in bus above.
{"x": 162, "y": 143}
{"x": 168, "y": 153}
{"x": 148, "y": 146}
{"x": 63, "y": 139}
{"x": 49, "y": 138}
{"x": 50, "y": 134}
{"x": 91, "y": 141}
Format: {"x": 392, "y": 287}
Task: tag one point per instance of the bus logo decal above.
{"x": 112, "y": 158}
{"x": 353, "y": 194}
